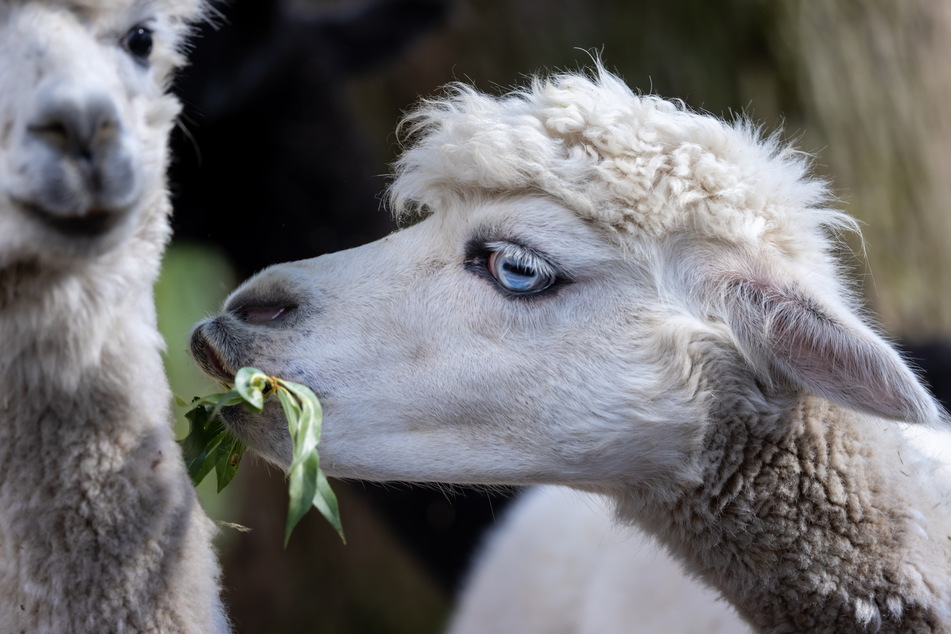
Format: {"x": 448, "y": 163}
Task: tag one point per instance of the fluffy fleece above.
{"x": 559, "y": 563}
{"x": 100, "y": 529}
{"x": 636, "y": 163}
{"x": 610, "y": 292}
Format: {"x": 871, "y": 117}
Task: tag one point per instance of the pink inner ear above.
{"x": 845, "y": 362}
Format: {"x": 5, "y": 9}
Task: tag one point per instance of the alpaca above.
{"x": 559, "y": 562}
{"x": 606, "y": 291}
{"x": 100, "y": 528}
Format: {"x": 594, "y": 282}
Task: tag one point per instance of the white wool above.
{"x": 558, "y": 563}
{"x": 100, "y": 528}
{"x": 637, "y": 163}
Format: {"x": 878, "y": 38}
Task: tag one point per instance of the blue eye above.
{"x": 517, "y": 270}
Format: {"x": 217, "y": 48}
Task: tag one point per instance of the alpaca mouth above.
{"x": 92, "y": 223}
{"x": 209, "y": 360}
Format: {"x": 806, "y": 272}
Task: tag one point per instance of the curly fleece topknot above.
{"x": 636, "y": 163}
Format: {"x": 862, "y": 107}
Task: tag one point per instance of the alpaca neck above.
{"x": 76, "y": 336}
{"x": 98, "y": 520}
{"x": 801, "y": 521}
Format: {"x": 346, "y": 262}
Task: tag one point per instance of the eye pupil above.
{"x": 139, "y": 42}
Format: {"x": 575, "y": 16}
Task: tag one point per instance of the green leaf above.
{"x": 307, "y": 398}
{"x": 228, "y": 459}
{"x": 325, "y": 501}
{"x": 292, "y": 414}
{"x": 251, "y": 383}
{"x": 209, "y": 445}
{"x": 302, "y": 487}
{"x": 203, "y": 440}
{"x": 311, "y": 414}
{"x": 307, "y": 486}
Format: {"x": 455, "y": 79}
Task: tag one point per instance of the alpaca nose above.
{"x": 77, "y": 126}
{"x": 80, "y": 172}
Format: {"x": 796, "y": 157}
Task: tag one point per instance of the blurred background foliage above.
{"x": 291, "y": 109}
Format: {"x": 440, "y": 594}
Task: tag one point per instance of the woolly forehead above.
{"x": 634, "y": 164}
{"x": 31, "y": 26}
{"x": 175, "y": 15}
{"x": 185, "y": 10}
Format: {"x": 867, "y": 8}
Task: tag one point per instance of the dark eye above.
{"x": 138, "y": 42}
{"x": 518, "y": 270}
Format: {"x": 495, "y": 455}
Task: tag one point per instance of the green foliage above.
{"x": 195, "y": 280}
{"x": 209, "y": 445}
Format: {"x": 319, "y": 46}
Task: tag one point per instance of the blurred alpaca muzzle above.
{"x": 79, "y": 173}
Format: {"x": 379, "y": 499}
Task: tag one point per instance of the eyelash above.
{"x": 509, "y": 265}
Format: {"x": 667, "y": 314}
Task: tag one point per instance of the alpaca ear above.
{"x": 823, "y": 347}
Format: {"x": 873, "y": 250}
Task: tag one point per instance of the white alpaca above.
{"x": 609, "y": 292}
{"x": 560, "y": 563}
{"x": 100, "y": 529}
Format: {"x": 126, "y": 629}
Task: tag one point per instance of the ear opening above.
{"x": 822, "y": 346}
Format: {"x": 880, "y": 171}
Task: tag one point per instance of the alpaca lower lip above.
{"x": 218, "y": 367}
{"x": 209, "y": 360}
{"x": 91, "y": 224}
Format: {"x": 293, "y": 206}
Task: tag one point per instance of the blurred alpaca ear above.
{"x": 821, "y": 345}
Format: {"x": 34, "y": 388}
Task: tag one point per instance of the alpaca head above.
{"x": 594, "y": 272}
{"x": 84, "y": 120}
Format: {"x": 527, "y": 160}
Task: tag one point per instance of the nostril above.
{"x": 76, "y": 125}
{"x": 266, "y": 302}
{"x": 263, "y": 314}
{"x": 260, "y": 311}
{"x": 52, "y": 129}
